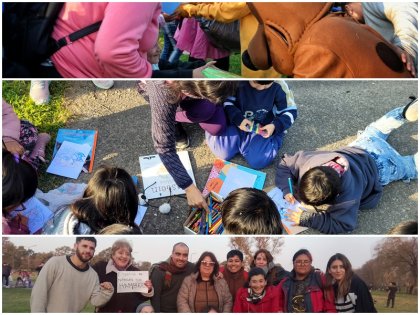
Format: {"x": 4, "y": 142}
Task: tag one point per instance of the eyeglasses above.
{"x": 207, "y": 263}
{"x": 303, "y": 262}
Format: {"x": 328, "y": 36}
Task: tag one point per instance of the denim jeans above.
{"x": 391, "y": 165}
{"x": 169, "y": 52}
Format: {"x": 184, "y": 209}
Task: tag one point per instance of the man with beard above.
{"x": 67, "y": 283}
{"x": 167, "y": 277}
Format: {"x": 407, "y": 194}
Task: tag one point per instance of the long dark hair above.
{"x": 110, "y": 197}
{"x": 213, "y": 259}
{"x": 19, "y": 180}
{"x": 214, "y": 91}
{"x": 343, "y": 287}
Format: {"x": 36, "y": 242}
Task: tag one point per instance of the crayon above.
{"x": 290, "y": 185}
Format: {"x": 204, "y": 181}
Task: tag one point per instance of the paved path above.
{"x": 330, "y": 114}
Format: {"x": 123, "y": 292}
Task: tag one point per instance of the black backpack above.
{"x": 27, "y": 41}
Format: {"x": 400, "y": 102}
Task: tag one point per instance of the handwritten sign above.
{"x": 157, "y": 181}
{"x": 132, "y": 281}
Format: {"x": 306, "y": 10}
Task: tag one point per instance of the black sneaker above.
{"x": 181, "y": 137}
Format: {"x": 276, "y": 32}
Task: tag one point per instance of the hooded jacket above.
{"x": 268, "y": 304}
{"x": 304, "y": 40}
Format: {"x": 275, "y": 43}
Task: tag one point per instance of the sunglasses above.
{"x": 207, "y": 263}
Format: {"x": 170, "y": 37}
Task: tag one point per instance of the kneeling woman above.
{"x": 351, "y": 293}
{"x": 121, "y": 260}
{"x": 257, "y": 297}
{"x": 202, "y": 290}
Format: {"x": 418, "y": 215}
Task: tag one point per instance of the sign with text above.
{"x": 132, "y": 281}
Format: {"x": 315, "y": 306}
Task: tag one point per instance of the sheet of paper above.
{"x": 37, "y": 213}
{"x": 157, "y": 182}
{"x": 141, "y": 211}
{"x": 235, "y": 179}
{"x": 69, "y": 159}
{"x": 282, "y": 205}
{"x": 132, "y": 281}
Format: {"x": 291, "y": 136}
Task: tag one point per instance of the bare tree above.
{"x": 249, "y": 245}
{"x": 63, "y": 251}
{"x": 103, "y": 255}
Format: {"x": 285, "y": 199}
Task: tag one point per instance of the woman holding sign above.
{"x": 121, "y": 260}
{"x": 173, "y": 102}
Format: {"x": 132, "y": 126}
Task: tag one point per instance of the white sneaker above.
{"x": 410, "y": 111}
{"x": 103, "y": 84}
{"x": 40, "y": 92}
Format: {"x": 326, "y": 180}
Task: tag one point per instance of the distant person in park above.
{"x": 250, "y": 211}
{"x": 257, "y": 296}
{"x": 110, "y": 197}
{"x": 259, "y": 114}
{"x": 264, "y": 260}
{"x": 336, "y": 184}
{"x": 121, "y": 260}
{"x": 351, "y": 293}
{"x": 397, "y": 22}
{"x": 305, "y": 291}
{"x": 392, "y": 292}
{"x": 19, "y": 183}
{"x": 203, "y": 290}
{"x": 167, "y": 277}
{"x": 233, "y": 272}
{"x": 5, "y": 274}
{"x": 173, "y": 102}
{"x": 22, "y": 138}
{"x": 67, "y": 283}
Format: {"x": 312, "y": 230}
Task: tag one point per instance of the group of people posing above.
{"x": 330, "y": 185}
{"x": 68, "y": 283}
{"x": 124, "y": 40}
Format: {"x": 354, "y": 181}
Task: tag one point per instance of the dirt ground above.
{"x": 330, "y": 114}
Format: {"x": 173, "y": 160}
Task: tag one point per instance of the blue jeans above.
{"x": 170, "y": 52}
{"x": 391, "y": 165}
{"x": 259, "y": 152}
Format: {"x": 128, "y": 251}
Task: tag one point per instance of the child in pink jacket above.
{"x": 21, "y": 137}
{"x": 117, "y": 50}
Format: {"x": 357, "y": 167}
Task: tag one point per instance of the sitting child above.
{"x": 339, "y": 183}
{"x": 256, "y": 102}
{"x": 20, "y": 182}
{"x": 110, "y": 197}
{"x": 250, "y": 211}
{"x": 22, "y": 138}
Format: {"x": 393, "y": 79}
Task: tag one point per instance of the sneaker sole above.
{"x": 183, "y": 146}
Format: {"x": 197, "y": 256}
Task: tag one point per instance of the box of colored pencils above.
{"x": 201, "y": 222}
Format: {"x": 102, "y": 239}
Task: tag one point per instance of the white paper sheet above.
{"x": 69, "y": 159}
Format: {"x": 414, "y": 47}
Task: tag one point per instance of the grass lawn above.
{"x": 404, "y": 303}
{"x": 17, "y": 301}
{"x": 47, "y": 118}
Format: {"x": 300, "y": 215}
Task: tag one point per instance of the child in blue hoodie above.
{"x": 259, "y": 115}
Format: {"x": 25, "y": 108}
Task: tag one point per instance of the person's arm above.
{"x": 102, "y": 293}
{"x": 237, "y": 306}
{"x": 163, "y": 135}
{"x": 364, "y": 303}
{"x": 287, "y": 168}
{"x": 39, "y": 293}
{"x": 151, "y": 290}
{"x": 182, "y": 299}
{"x": 224, "y": 12}
{"x": 284, "y": 116}
{"x": 117, "y": 49}
{"x": 157, "y": 281}
{"x": 11, "y": 129}
{"x": 233, "y": 113}
{"x": 227, "y": 296}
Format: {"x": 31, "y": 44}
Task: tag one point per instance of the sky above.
{"x": 358, "y": 249}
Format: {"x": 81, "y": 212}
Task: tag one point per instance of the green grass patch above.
{"x": 16, "y": 300}
{"x": 404, "y": 303}
{"x": 47, "y": 118}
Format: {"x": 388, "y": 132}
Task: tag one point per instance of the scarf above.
{"x": 169, "y": 267}
{"x": 111, "y": 267}
{"x": 234, "y": 280}
{"x": 255, "y": 298}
